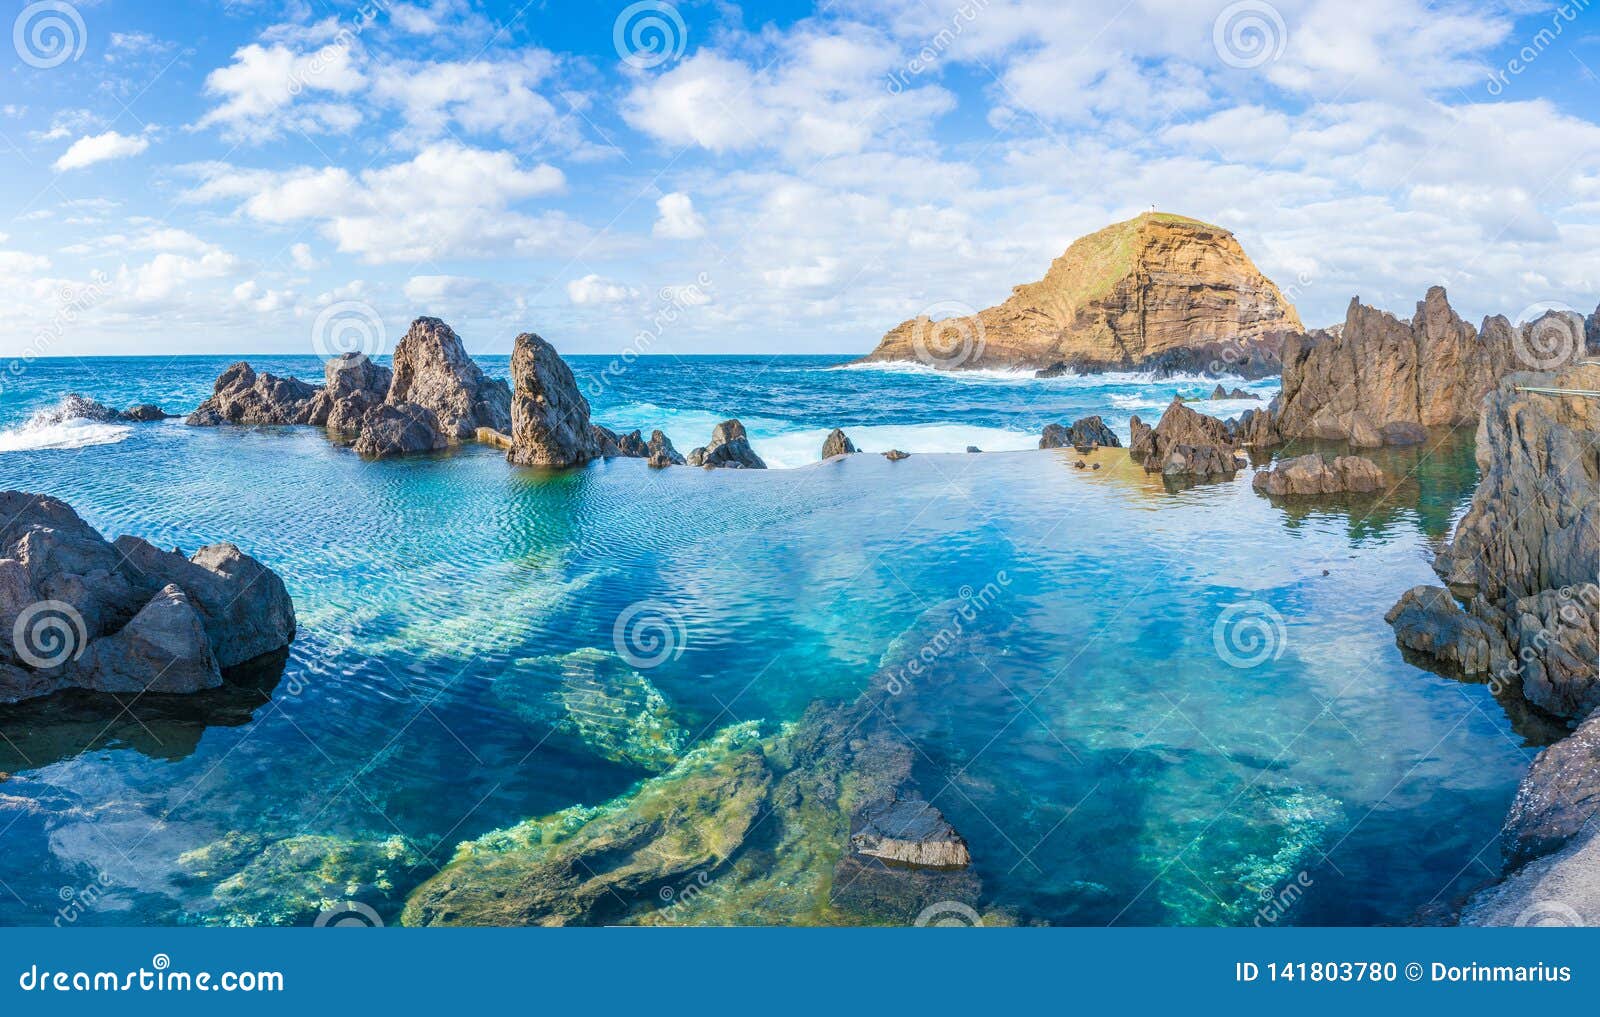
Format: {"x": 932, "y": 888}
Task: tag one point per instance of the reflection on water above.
{"x": 1111, "y": 750}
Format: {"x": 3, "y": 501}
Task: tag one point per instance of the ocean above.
{"x": 1182, "y": 706}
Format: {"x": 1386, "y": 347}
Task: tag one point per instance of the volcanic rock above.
{"x": 837, "y": 444}
{"x": 1158, "y": 292}
{"x": 397, "y": 429}
{"x": 241, "y": 396}
{"x": 1313, "y": 475}
{"x": 1084, "y": 434}
{"x": 661, "y": 446}
{"x": 1184, "y": 442}
{"x": 549, "y": 416}
{"x": 895, "y": 455}
{"x": 909, "y": 832}
{"x": 432, "y": 369}
{"x": 729, "y": 449}
{"x": 352, "y": 386}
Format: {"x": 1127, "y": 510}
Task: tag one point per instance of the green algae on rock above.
{"x": 290, "y": 881}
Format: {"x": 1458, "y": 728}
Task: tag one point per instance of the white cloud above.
{"x": 19, "y": 262}
{"x": 449, "y": 200}
{"x": 267, "y": 90}
{"x": 101, "y": 148}
{"x": 678, "y": 220}
{"x": 477, "y": 97}
{"x": 303, "y": 259}
{"x": 592, "y": 289}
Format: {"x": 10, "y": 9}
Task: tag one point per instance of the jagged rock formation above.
{"x": 1184, "y": 442}
{"x": 1084, "y": 434}
{"x": 77, "y": 407}
{"x": 1379, "y": 380}
{"x": 837, "y": 444}
{"x": 434, "y": 397}
{"x": 1314, "y": 475}
{"x": 432, "y": 370}
{"x": 729, "y": 449}
{"x": 549, "y": 416}
{"x": 82, "y": 612}
{"x": 1238, "y": 393}
{"x": 241, "y": 396}
{"x": 1157, "y": 292}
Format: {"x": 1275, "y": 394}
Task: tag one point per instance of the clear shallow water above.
{"x": 1106, "y": 762}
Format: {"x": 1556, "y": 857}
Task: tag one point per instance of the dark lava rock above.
{"x": 397, "y": 429}
{"x": 729, "y": 449}
{"x": 1084, "y": 434}
{"x": 837, "y": 444}
{"x": 432, "y": 369}
{"x": 895, "y": 455}
{"x": 909, "y": 832}
{"x": 241, "y": 396}
{"x": 549, "y": 416}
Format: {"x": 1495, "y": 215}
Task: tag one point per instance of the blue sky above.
{"x": 246, "y": 176}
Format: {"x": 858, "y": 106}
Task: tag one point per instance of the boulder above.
{"x": 241, "y": 396}
{"x": 82, "y": 612}
{"x": 1314, "y": 475}
{"x": 549, "y": 416}
{"x": 1427, "y": 620}
{"x": 77, "y": 407}
{"x": 352, "y": 386}
{"x": 613, "y": 445}
{"x": 837, "y": 444}
{"x": 1255, "y": 429}
{"x": 1238, "y": 393}
{"x": 1559, "y": 796}
{"x": 397, "y": 429}
{"x": 661, "y": 446}
{"x": 909, "y": 832}
{"x": 432, "y": 370}
{"x": 145, "y": 413}
{"x": 894, "y": 455}
{"x": 1185, "y": 442}
{"x": 1084, "y": 434}
{"x": 729, "y": 449}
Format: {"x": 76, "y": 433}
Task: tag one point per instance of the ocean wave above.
{"x": 1014, "y": 375}
{"x": 804, "y": 447}
{"x": 70, "y": 423}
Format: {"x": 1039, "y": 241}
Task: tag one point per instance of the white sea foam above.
{"x": 790, "y": 449}
{"x": 64, "y": 434}
{"x": 1102, "y": 379}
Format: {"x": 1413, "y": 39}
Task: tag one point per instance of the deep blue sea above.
{"x": 1127, "y": 750}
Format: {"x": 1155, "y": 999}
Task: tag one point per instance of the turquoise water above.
{"x": 1109, "y": 751}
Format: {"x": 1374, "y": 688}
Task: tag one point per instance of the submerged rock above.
{"x": 837, "y": 444}
{"x": 595, "y": 695}
{"x": 290, "y": 881}
{"x": 910, "y": 832}
{"x": 432, "y": 370}
{"x": 87, "y": 613}
{"x": 591, "y": 865}
{"x": 549, "y": 416}
{"x": 1316, "y": 475}
{"x": 1085, "y": 434}
{"x": 729, "y": 448}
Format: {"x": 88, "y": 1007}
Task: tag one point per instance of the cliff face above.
{"x": 1380, "y": 380}
{"x": 1158, "y": 291}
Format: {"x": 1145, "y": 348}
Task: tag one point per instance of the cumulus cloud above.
{"x": 677, "y": 219}
{"x": 592, "y": 289}
{"x": 101, "y": 148}
{"x": 449, "y": 200}
{"x": 267, "y": 90}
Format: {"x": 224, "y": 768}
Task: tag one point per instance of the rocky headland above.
{"x": 125, "y": 616}
{"x": 1158, "y": 292}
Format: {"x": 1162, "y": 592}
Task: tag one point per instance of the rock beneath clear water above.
{"x": 432, "y": 370}
{"x": 1427, "y": 620}
{"x": 837, "y": 444}
{"x": 397, "y": 429}
{"x": 294, "y": 880}
{"x": 549, "y": 415}
{"x": 78, "y": 611}
{"x": 1316, "y": 475}
{"x": 1084, "y": 434}
{"x": 910, "y": 832}
{"x": 594, "y": 865}
{"x": 242, "y": 396}
{"x": 729, "y": 448}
